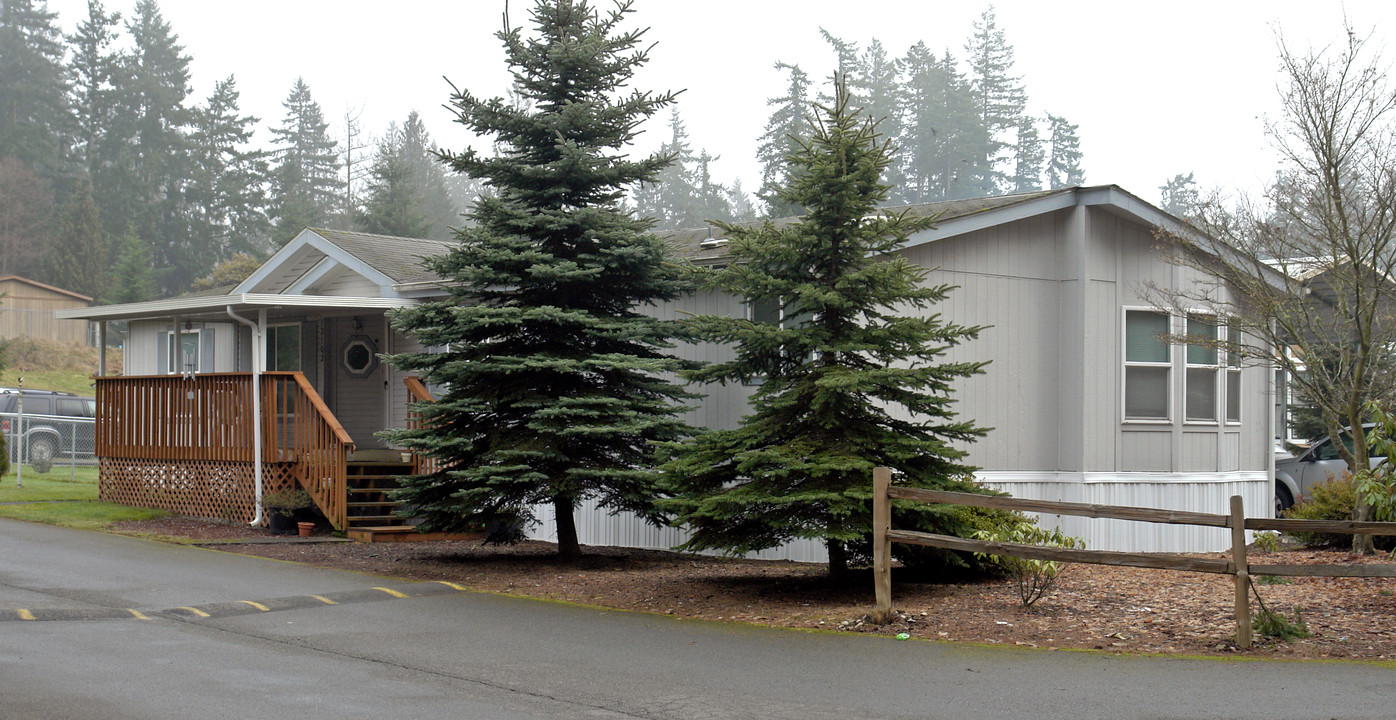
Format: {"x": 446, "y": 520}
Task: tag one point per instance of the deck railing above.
{"x": 418, "y": 393}
{"x": 299, "y": 427}
{"x": 185, "y": 443}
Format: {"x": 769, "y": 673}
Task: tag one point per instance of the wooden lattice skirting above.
{"x": 212, "y": 489}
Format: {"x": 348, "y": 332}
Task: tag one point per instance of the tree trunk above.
{"x": 838, "y": 558}
{"x": 1362, "y": 544}
{"x": 567, "y": 545}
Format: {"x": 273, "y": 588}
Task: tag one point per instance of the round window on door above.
{"x": 359, "y": 356}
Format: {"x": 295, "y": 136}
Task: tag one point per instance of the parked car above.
{"x": 1296, "y": 474}
{"x": 55, "y": 424}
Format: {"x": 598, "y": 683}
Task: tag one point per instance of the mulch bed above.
{"x": 1096, "y": 607}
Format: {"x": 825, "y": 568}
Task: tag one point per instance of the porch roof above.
{"x": 194, "y": 305}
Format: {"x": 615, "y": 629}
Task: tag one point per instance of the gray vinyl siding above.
{"x": 358, "y": 402}
{"x": 1006, "y": 282}
{"x": 343, "y": 281}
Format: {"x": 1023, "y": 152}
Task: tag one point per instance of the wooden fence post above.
{"x": 882, "y": 549}
{"x": 1243, "y": 575}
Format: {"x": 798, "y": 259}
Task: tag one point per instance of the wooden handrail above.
{"x": 421, "y": 464}
{"x": 419, "y": 392}
{"x": 304, "y": 431}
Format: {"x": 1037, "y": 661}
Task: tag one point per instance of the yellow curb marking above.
{"x": 259, "y": 606}
{"x": 25, "y": 614}
{"x": 324, "y": 600}
{"x": 392, "y": 592}
{"x": 196, "y": 611}
{"x": 454, "y": 586}
{"x": 137, "y": 614}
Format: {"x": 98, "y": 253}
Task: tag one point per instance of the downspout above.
{"x": 256, "y": 408}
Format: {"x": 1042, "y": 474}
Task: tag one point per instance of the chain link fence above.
{"x": 47, "y": 443}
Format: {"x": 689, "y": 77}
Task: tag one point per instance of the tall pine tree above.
{"x": 93, "y": 70}
{"x": 1028, "y": 158}
{"x": 394, "y": 203}
{"x": 1064, "y": 163}
{"x": 227, "y": 189}
{"x": 781, "y": 138}
{"x": 999, "y": 99}
{"x": 555, "y": 383}
{"x": 76, "y": 258}
{"x": 941, "y": 131}
{"x": 850, "y": 376}
{"x": 34, "y": 116}
{"x": 305, "y": 174}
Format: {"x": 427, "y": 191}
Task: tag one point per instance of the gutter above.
{"x": 257, "y": 354}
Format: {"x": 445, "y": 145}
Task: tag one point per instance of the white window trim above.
{"x": 1227, "y": 370}
{"x": 1125, "y": 364}
{"x": 300, "y": 340}
{"x": 1218, "y": 390}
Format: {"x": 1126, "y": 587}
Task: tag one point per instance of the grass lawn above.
{"x": 60, "y": 483}
{"x": 55, "y": 499}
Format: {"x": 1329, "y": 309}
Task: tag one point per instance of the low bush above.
{"x": 1333, "y": 500}
{"x": 1035, "y": 578}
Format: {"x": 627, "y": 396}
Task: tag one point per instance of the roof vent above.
{"x": 712, "y": 243}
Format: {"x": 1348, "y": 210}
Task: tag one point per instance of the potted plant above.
{"x": 282, "y": 507}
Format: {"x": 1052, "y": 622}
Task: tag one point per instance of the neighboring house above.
{"x": 27, "y": 310}
{"x": 1086, "y": 401}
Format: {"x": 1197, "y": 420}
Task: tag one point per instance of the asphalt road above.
{"x": 126, "y": 628}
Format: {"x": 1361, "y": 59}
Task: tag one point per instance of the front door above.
{"x": 357, "y": 391}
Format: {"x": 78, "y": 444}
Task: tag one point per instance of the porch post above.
{"x": 101, "y": 348}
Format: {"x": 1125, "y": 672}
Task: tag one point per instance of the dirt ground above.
{"x": 1124, "y": 610}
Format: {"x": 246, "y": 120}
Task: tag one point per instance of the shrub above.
{"x": 1035, "y": 578}
{"x": 289, "y": 499}
{"x": 1333, "y": 500}
{"x": 1267, "y": 542}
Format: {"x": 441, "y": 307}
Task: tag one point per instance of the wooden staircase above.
{"x": 370, "y": 512}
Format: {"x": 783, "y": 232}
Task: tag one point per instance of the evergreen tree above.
{"x": 76, "y": 259}
{"x": 743, "y": 210}
{"x": 1064, "y": 164}
{"x": 1028, "y": 159}
{"x": 147, "y": 148}
{"x": 227, "y": 192}
{"x": 34, "y": 114}
{"x": 132, "y": 279}
{"x": 842, "y": 368}
{"x": 25, "y": 207}
{"x": 874, "y": 88}
{"x": 1180, "y": 196}
{"x": 230, "y": 272}
{"x": 93, "y": 69}
{"x": 999, "y": 98}
{"x": 394, "y": 203}
{"x": 780, "y": 139}
{"x": 941, "y": 130}
{"x": 429, "y": 176}
{"x": 684, "y": 195}
{"x": 305, "y": 177}
{"x": 555, "y": 383}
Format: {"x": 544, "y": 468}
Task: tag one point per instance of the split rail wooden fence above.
{"x": 1238, "y": 566}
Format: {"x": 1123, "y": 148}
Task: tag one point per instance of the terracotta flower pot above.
{"x": 305, "y": 528}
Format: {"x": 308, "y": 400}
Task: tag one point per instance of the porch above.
{"x": 192, "y": 444}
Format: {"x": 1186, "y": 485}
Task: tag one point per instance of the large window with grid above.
{"x": 1148, "y": 366}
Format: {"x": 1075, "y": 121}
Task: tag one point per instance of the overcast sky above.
{"x": 1156, "y": 88}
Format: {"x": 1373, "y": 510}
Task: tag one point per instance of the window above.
{"x": 1233, "y": 376}
{"x": 1147, "y": 365}
{"x": 284, "y": 348}
{"x": 193, "y": 352}
{"x": 1202, "y": 365}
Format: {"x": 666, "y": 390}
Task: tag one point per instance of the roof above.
{"x": 42, "y": 286}
{"x": 397, "y": 257}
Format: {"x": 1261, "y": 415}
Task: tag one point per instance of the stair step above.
{"x": 359, "y": 520}
{"x": 371, "y": 503}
